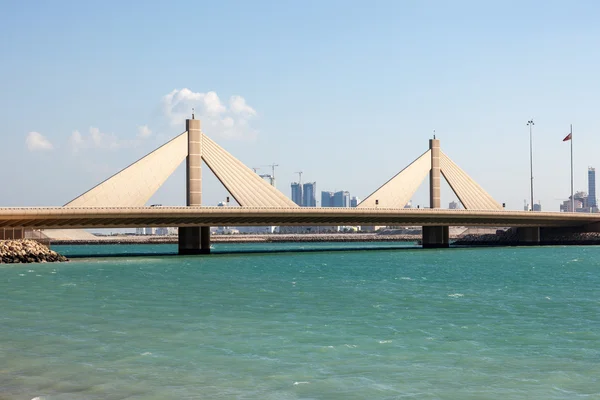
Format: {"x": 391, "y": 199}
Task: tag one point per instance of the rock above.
{"x": 27, "y": 251}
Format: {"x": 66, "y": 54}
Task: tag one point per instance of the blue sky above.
{"x": 347, "y": 92}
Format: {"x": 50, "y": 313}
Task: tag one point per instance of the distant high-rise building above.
{"x": 341, "y": 199}
{"x": 297, "y": 193}
{"x": 592, "y": 188}
{"x": 354, "y": 201}
{"x": 309, "y": 198}
{"x": 453, "y": 205}
{"x": 326, "y": 199}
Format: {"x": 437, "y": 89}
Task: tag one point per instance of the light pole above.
{"x": 530, "y": 123}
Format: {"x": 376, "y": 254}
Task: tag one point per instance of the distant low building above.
{"x": 257, "y": 229}
{"x": 161, "y": 231}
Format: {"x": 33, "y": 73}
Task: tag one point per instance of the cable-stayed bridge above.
{"x": 119, "y": 201}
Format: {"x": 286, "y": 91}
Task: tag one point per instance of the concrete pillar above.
{"x": 194, "y": 163}
{"x": 529, "y": 235}
{"x": 434, "y": 174}
{"x": 194, "y": 239}
{"x": 436, "y": 237}
{"x": 12, "y": 233}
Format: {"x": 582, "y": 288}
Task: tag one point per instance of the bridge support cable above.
{"x": 246, "y": 187}
{"x": 471, "y": 195}
{"x": 134, "y": 185}
{"x": 397, "y": 191}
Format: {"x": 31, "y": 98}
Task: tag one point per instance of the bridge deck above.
{"x": 129, "y": 217}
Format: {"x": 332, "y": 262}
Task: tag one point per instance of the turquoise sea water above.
{"x": 494, "y": 323}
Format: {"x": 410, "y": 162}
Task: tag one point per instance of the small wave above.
{"x": 385, "y": 341}
{"x": 406, "y": 278}
{"x": 146, "y": 354}
{"x": 69, "y": 284}
{"x": 456, "y": 295}
{"x": 21, "y": 274}
{"x": 300, "y": 383}
{"x": 31, "y": 270}
{"x": 352, "y": 346}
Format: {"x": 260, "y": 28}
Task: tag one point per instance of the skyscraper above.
{"x": 354, "y": 201}
{"x": 326, "y": 199}
{"x": 309, "y": 194}
{"x": 592, "y": 187}
{"x": 297, "y": 193}
{"x": 341, "y": 199}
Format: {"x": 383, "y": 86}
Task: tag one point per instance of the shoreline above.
{"x": 587, "y": 239}
{"x": 265, "y": 238}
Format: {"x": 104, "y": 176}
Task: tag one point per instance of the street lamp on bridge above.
{"x": 530, "y": 123}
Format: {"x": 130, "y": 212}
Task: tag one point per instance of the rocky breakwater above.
{"x": 27, "y": 251}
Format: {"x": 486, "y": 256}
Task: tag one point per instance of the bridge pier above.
{"x": 528, "y": 235}
{"x": 435, "y": 237}
{"x": 194, "y": 239}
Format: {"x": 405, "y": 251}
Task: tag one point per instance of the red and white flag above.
{"x": 568, "y": 137}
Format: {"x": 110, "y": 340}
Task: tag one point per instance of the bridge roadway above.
{"x": 125, "y": 217}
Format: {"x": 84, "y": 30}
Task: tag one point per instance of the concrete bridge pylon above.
{"x": 194, "y": 239}
{"x": 134, "y": 185}
{"x": 398, "y": 191}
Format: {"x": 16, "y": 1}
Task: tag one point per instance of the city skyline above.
{"x": 81, "y": 102}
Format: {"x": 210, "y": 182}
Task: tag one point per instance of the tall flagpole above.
{"x": 572, "y": 198}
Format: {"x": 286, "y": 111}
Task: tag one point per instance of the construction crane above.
{"x": 272, "y": 178}
{"x": 299, "y": 176}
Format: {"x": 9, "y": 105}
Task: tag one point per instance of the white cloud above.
{"x": 96, "y": 139}
{"x": 37, "y": 142}
{"x": 217, "y": 119}
{"x": 144, "y": 131}
{"x": 238, "y": 105}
